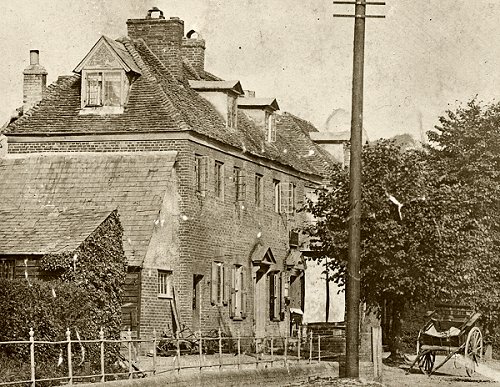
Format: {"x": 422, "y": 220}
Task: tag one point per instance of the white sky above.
{"x": 420, "y": 60}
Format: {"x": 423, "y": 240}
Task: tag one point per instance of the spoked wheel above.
{"x": 473, "y": 350}
{"x": 426, "y": 362}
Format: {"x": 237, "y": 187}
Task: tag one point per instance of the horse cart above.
{"x": 451, "y": 330}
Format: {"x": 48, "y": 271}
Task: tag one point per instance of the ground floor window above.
{"x": 275, "y": 296}
{"x": 238, "y": 292}
{"x": 7, "y": 268}
{"x": 165, "y": 283}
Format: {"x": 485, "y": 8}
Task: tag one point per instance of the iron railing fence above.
{"x": 101, "y": 359}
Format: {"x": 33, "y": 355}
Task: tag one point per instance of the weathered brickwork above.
{"x": 208, "y": 226}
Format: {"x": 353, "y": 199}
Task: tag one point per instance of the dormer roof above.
{"x": 108, "y": 53}
{"x": 233, "y": 86}
{"x": 258, "y": 103}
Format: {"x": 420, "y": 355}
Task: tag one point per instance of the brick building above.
{"x": 205, "y": 177}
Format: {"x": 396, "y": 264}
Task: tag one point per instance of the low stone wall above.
{"x": 255, "y": 377}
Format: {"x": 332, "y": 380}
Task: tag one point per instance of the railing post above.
{"x": 286, "y": 350}
{"x": 220, "y": 349}
{"x": 272, "y": 351}
{"x": 70, "y": 366}
{"x": 298, "y": 345}
{"x": 310, "y": 346}
{"x": 178, "y": 344}
{"x": 319, "y": 348}
{"x": 32, "y": 357}
{"x": 155, "y": 344}
{"x": 200, "y": 349}
{"x": 129, "y": 347}
{"x": 239, "y": 350}
{"x": 103, "y": 371}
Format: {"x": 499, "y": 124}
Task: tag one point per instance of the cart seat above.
{"x": 432, "y": 331}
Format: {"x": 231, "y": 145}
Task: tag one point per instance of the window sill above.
{"x": 164, "y": 296}
{"x": 237, "y": 318}
{"x": 100, "y": 110}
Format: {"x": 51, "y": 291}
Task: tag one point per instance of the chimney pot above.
{"x": 34, "y": 57}
{"x": 249, "y": 93}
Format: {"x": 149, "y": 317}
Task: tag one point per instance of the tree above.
{"x": 417, "y": 237}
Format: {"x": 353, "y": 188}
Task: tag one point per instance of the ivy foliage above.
{"x": 83, "y": 296}
{"x": 99, "y": 267}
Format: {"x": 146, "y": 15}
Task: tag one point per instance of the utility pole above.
{"x": 353, "y": 266}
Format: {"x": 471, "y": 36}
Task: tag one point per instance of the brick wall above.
{"x": 193, "y": 50}
{"x": 163, "y": 37}
{"x": 207, "y": 226}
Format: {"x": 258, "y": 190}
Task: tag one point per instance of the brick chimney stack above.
{"x": 163, "y": 37}
{"x": 35, "y": 82}
{"x": 193, "y": 51}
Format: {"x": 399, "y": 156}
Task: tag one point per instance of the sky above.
{"x": 425, "y": 57}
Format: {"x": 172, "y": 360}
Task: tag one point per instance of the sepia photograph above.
{"x": 250, "y": 193}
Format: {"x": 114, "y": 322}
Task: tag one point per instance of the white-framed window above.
{"x": 165, "y": 283}
{"x": 103, "y": 88}
{"x": 238, "y": 292}
{"x": 259, "y": 179}
{"x": 277, "y": 196}
{"x": 275, "y": 296}
{"x": 201, "y": 174}
{"x": 219, "y": 179}
{"x": 270, "y": 122}
{"x": 239, "y": 184}
{"x": 288, "y": 197}
{"x": 218, "y": 278}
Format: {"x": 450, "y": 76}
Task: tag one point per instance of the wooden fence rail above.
{"x": 244, "y": 351}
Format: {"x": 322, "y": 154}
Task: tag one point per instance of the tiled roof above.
{"x": 258, "y": 102}
{"x": 46, "y": 230}
{"x": 158, "y": 102}
{"x": 133, "y": 183}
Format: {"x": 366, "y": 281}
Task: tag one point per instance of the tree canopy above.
{"x": 430, "y": 219}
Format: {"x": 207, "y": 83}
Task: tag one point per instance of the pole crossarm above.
{"x": 360, "y": 2}
{"x": 359, "y": 16}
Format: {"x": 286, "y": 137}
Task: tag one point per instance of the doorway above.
{"x": 261, "y": 298}
{"x": 197, "y": 289}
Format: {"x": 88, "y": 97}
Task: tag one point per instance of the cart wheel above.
{"x": 473, "y": 350}
{"x": 426, "y": 362}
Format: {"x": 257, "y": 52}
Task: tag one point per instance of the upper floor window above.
{"x": 288, "y": 196}
{"x": 201, "y": 173}
{"x": 270, "y": 122}
{"x": 239, "y": 184}
{"x": 258, "y": 190}
{"x": 165, "y": 283}
{"x": 219, "y": 180}
{"x": 277, "y": 196}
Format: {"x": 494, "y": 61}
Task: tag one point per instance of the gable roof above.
{"x": 116, "y": 48}
{"x": 135, "y": 184}
{"x": 258, "y": 103}
{"x": 233, "y": 86}
{"x": 46, "y": 230}
{"x": 158, "y": 102}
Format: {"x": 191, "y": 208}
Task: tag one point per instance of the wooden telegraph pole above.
{"x": 353, "y": 267}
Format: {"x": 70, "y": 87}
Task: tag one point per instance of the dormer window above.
{"x": 223, "y": 95}
{"x": 262, "y": 112}
{"x": 271, "y": 127}
{"x": 104, "y": 88}
{"x": 106, "y": 71}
